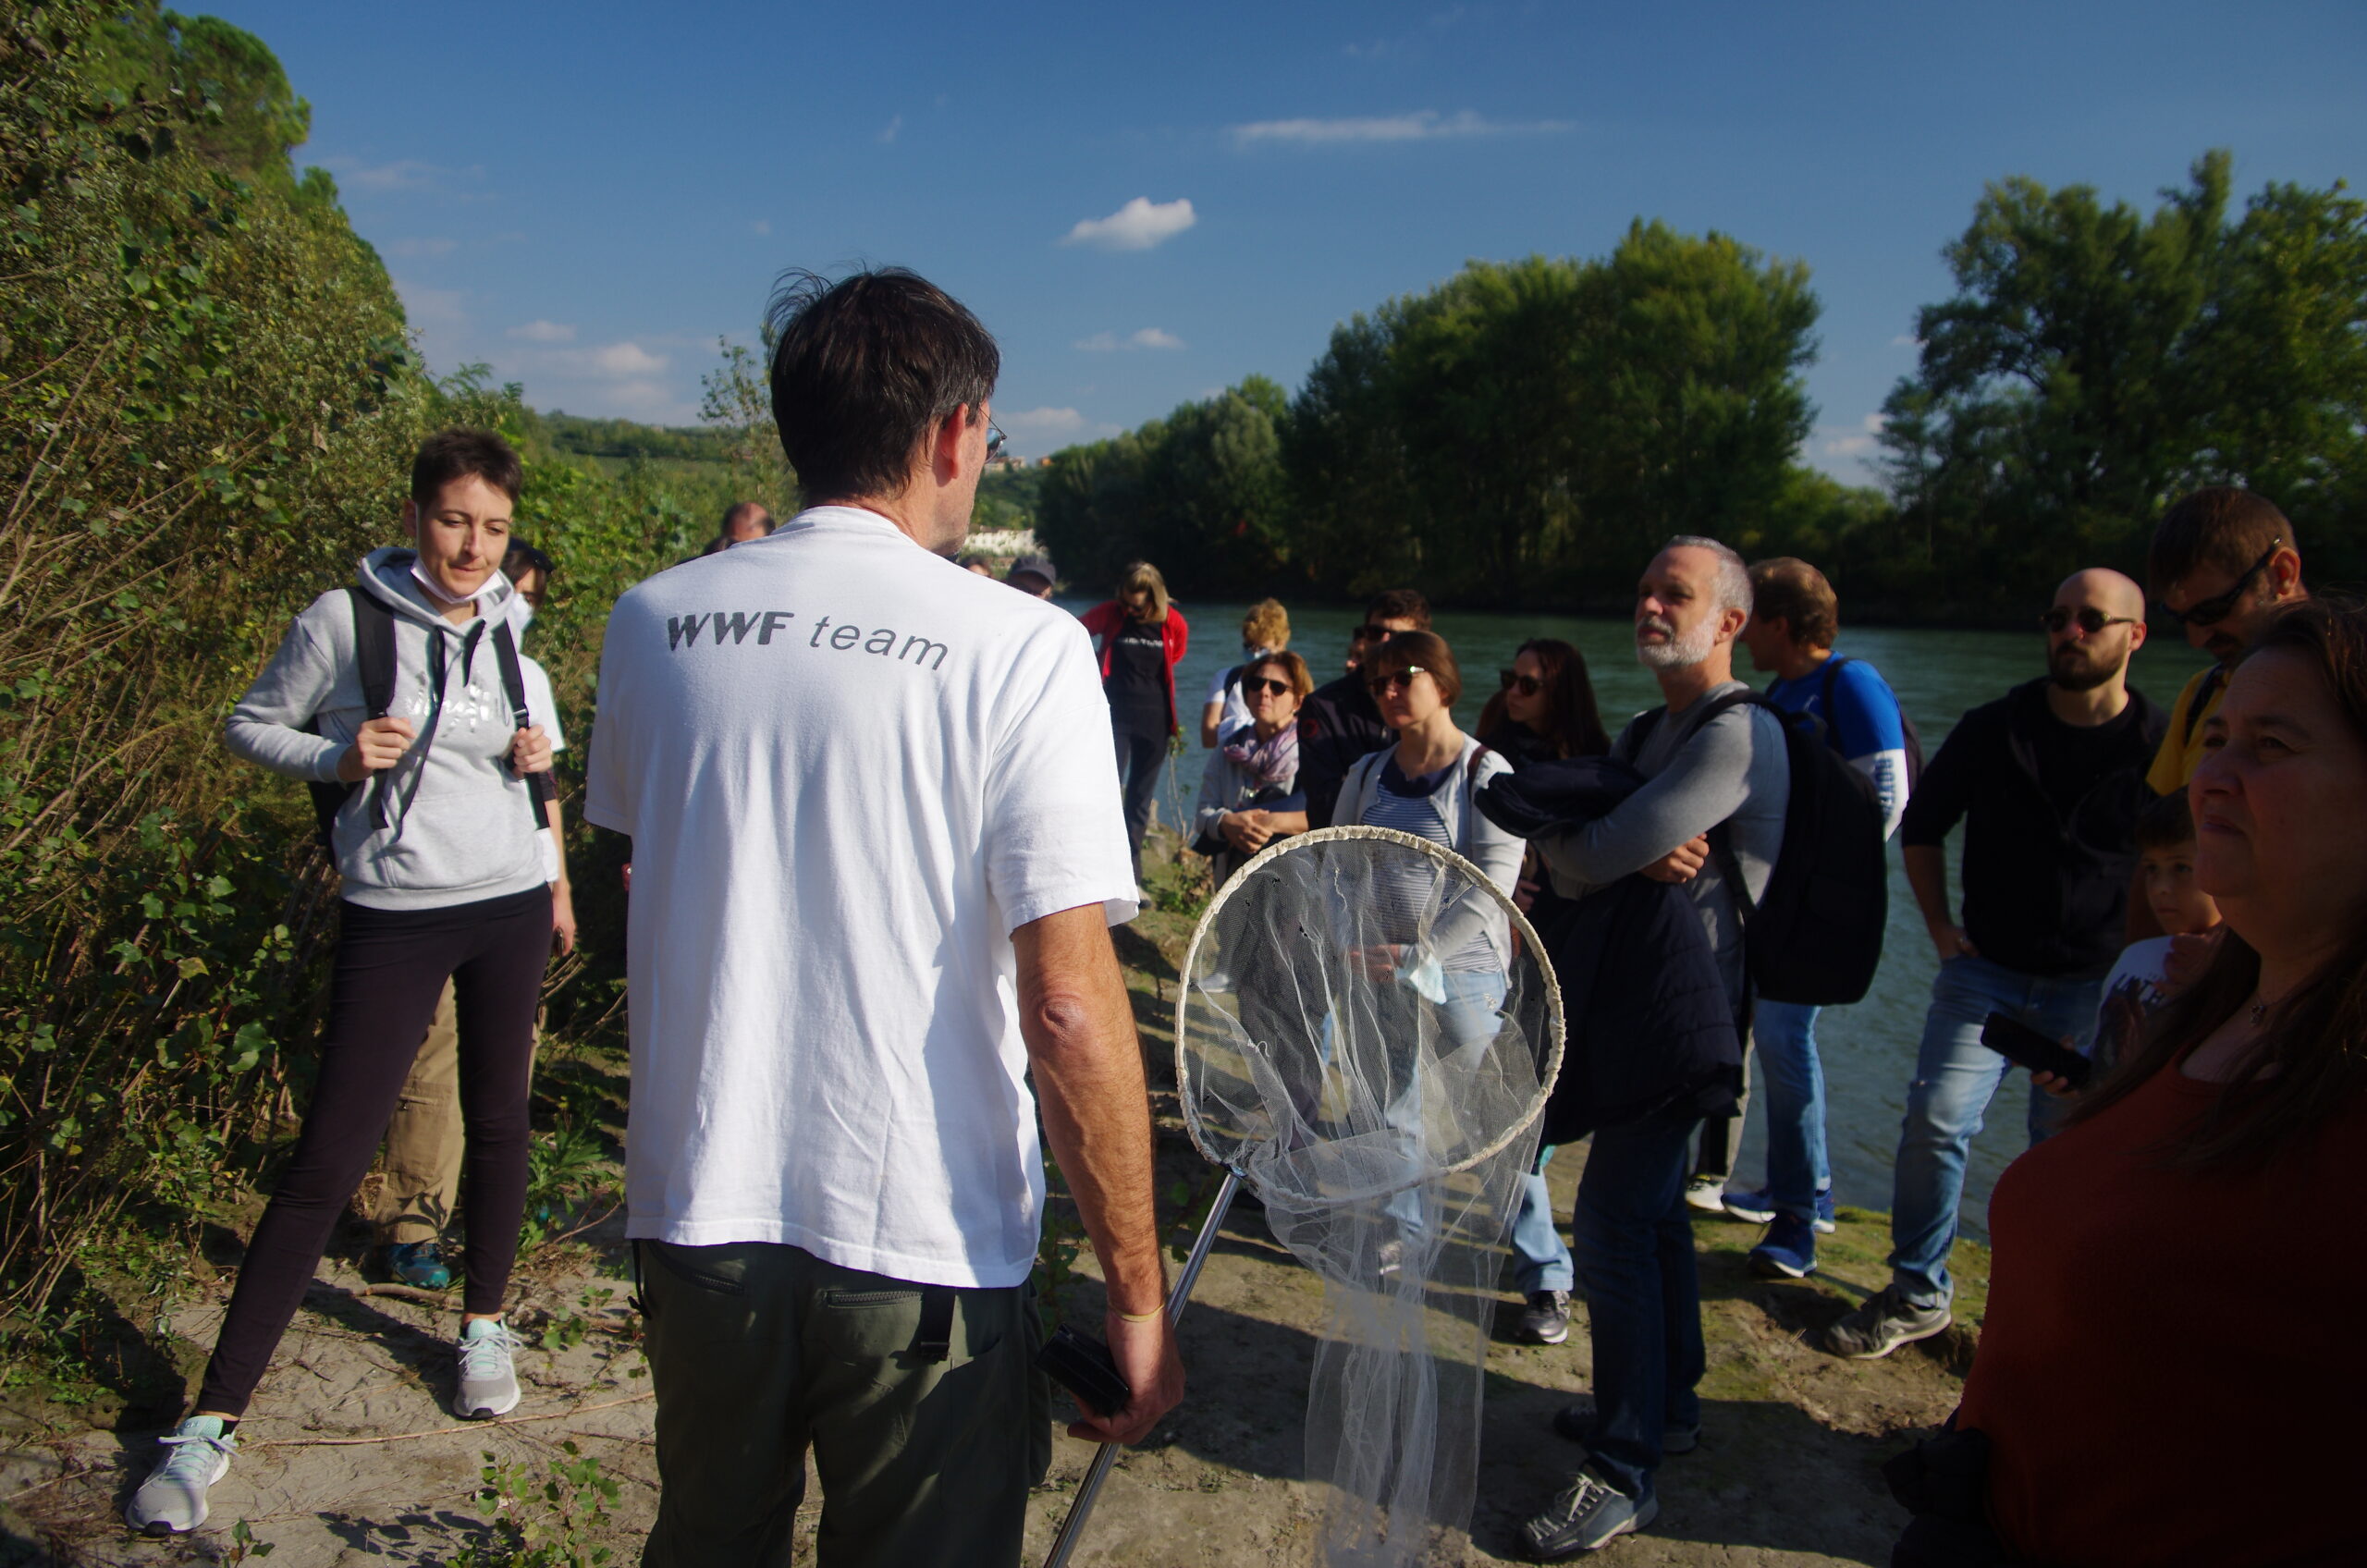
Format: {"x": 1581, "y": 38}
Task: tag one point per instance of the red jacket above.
{"x": 1104, "y": 619}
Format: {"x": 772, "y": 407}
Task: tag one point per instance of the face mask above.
{"x": 437, "y": 592}
{"x": 522, "y": 615}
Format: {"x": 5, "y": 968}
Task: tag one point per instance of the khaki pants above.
{"x": 424, "y": 1141}
{"x": 758, "y": 1351}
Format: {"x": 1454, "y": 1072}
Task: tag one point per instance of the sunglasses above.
{"x": 995, "y": 439}
{"x": 1402, "y": 679}
{"x": 1527, "y": 685}
{"x": 2219, "y": 606}
{"x": 1370, "y": 633}
{"x": 2091, "y": 619}
{"x": 1252, "y": 687}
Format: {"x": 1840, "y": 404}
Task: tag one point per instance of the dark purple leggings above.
{"x": 389, "y": 969}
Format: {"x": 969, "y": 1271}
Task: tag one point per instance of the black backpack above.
{"x": 1814, "y": 937}
{"x": 374, "y": 644}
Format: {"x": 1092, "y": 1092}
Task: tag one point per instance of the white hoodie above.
{"x": 459, "y": 828}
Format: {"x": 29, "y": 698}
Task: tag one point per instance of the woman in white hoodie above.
{"x": 437, "y": 836}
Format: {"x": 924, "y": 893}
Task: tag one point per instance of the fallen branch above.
{"x": 447, "y": 1431}
{"x": 404, "y": 1292}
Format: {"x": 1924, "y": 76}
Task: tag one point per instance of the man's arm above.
{"x": 1937, "y": 805}
{"x": 1705, "y": 783}
{"x": 1088, "y": 1071}
{"x": 1927, "y": 873}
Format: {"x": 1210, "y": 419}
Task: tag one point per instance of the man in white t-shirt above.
{"x": 877, "y": 849}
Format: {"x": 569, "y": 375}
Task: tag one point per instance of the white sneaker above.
{"x": 489, "y": 1371}
{"x": 1707, "y": 1194}
{"x": 172, "y": 1499}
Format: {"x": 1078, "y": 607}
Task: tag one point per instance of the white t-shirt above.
{"x": 2136, "y": 987}
{"x": 542, "y": 706}
{"x": 850, "y": 769}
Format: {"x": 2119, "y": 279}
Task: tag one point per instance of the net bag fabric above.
{"x": 1368, "y": 1032}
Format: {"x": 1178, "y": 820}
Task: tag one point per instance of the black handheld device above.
{"x": 2025, "y": 1046}
{"x": 1082, "y": 1364}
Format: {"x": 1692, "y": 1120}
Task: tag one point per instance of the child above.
{"x": 2149, "y": 973}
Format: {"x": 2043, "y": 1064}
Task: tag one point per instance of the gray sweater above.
{"x": 1734, "y": 770}
{"x": 459, "y": 828}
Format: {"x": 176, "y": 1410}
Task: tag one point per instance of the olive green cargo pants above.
{"x": 758, "y": 1350}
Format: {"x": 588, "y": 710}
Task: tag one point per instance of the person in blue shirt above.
{"x": 1794, "y": 617}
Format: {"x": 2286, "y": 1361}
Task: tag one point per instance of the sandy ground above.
{"x": 349, "y": 1457}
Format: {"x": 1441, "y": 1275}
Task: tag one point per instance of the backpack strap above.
{"x": 374, "y": 657}
{"x": 513, "y": 684}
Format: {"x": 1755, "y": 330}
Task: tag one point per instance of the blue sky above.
{"x": 1149, "y": 203}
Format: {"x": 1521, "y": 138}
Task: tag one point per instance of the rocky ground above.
{"x": 349, "y": 1457}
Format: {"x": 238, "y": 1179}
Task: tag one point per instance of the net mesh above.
{"x": 1366, "y": 1035}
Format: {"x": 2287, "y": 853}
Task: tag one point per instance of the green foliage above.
{"x": 2096, "y": 363}
{"x": 557, "y": 434}
{"x": 553, "y": 1522}
{"x": 737, "y": 406}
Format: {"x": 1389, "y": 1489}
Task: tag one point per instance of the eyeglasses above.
{"x": 2091, "y": 619}
{"x": 1527, "y": 685}
{"x": 2219, "y": 606}
{"x": 1371, "y": 633}
{"x": 1402, "y": 679}
{"x": 995, "y": 439}
{"x": 1252, "y": 687}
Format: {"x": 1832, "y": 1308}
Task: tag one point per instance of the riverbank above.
{"x": 349, "y": 1457}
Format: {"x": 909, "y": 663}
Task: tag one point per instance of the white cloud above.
{"x": 1423, "y": 125}
{"x": 623, "y": 360}
{"x": 403, "y": 174}
{"x": 1906, "y": 341}
{"x": 1857, "y": 441}
{"x": 408, "y": 248}
{"x": 760, "y": 226}
{"x": 888, "y": 137}
{"x": 432, "y": 309}
{"x": 1148, "y": 338}
{"x": 544, "y": 332}
{"x": 1045, "y": 428}
{"x": 1139, "y": 224}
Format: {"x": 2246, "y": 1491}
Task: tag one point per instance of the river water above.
{"x": 1869, "y": 1050}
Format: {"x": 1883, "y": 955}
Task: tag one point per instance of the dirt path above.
{"x": 1786, "y": 1471}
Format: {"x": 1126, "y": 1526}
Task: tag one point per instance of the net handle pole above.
{"x": 1073, "y": 1528}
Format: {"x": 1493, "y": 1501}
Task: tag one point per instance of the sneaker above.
{"x": 172, "y": 1499}
{"x": 1787, "y": 1252}
{"x": 1390, "y": 1257}
{"x": 1707, "y": 1194}
{"x": 489, "y": 1371}
{"x": 1546, "y": 1320}
{"x": 1883, "y": 1324}
{"x": 1759, "y": 1209}
{"x": 419, "y": 1263}
{"x": 1575, "y": 1422}
{"x": 1586, "y": 1517}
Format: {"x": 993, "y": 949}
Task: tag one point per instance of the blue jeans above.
{"x": 1784, "y": 1034}
{"x": 1956, "y": 1077}
{"x": 1141, "y": 756}
{"x": 1540, "y": 1261}
{"x": 1469, "y": 1020}
{"x": 1635, "y": 1252}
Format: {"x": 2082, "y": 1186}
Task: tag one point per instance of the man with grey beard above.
{"x": 2048, "y": 781}
{"x": 1707, "y": 765}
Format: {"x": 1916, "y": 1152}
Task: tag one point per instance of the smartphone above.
{"x": 2025, "y": 1046}
{"x": 1084, "y": 1366}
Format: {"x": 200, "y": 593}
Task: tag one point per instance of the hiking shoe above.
{"x": 1586, "y": 1517}
{"x": 489, "y": 1371}
{"x": 1546, "y": 1320}
{"x": 1707, "y": 1194}
{"x": 1759, "y": 1209}
{"x": 1390, "y": 1257}
{"x": 1883, "y": 1324}
{"x": 172, "y": 1499}
{"x": 419, "y": 1263}
{"x": 1787, "y": 1252}
{"x": 1575, "y": 1422}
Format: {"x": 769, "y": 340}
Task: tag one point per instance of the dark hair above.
{"x": 462, "y": 453}
{"x": 1400, "y": 604}
{"x": 1409, "y": 649}
{"x": 1573, "y": 721}
{"x": 2166, "y": 822}
{"x": 1294, "y": 669}
{"x": 738, "y": 509}
{"x": 2221, "y": 527}
{"x": 865, "y": 367}
{"x": 536, "y": 559}
{"x": 2310, "y": 1062}
{"x": 1789, "y": 587}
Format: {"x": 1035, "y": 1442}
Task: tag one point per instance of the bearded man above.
{"x": 2048, "y": 782}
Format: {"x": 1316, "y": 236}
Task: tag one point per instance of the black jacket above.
{"x": 2045, "y": 884}
{"x": 1338, "y": 724}
{"x": 1647, "y": 1028}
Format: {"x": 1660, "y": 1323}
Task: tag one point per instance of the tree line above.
{"x": 1525, "y": 432}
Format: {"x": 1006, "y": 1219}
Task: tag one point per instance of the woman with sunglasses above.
{"x": 1248, "y": 792}
{"x": 1141, "y": 638}
{"x": 1545, "y": 710}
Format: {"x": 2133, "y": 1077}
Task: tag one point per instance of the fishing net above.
{"x": 1367, "y": 1035}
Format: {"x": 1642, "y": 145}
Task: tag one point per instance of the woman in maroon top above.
{"x": 2168, "y": 1372}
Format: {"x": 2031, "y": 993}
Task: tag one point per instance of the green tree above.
{"x": 246, "y": 118}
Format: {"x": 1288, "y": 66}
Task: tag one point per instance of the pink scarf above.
{"x": 1266, "y": 762}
